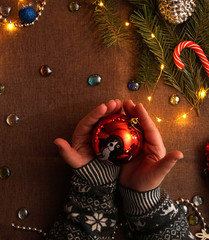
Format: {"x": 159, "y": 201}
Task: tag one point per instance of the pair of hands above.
{"x": 151, "y": 166}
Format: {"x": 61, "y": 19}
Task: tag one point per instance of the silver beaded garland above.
{"x": 176, "y": 11}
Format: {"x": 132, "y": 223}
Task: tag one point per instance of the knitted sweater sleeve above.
{"x": 90, "y": 212}
{"x": 153, "y": 216}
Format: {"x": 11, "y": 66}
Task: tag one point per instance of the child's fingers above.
{"x": 152, "y": 135}
{"x": 129, "y": 108}
{"x": 69, "y": 154}
{"x": 163, "y": 167}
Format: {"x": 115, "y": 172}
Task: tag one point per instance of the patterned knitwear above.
{"x": 152, "y": 216}
{"x": 91, "y": 211}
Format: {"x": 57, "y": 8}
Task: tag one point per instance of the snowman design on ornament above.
{"x": 110, "y": 147}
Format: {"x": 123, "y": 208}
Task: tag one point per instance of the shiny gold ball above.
{"x": 174, "y": 99}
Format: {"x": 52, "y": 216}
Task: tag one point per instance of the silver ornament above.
{"x": 176, "y": 11}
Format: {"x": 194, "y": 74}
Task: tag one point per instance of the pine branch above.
{"x": 110, "y": 26}
{"x": 148, "y": 71}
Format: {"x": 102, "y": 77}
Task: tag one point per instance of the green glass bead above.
{"x": 193, "y": 220}
{"x": 4, "y": 172}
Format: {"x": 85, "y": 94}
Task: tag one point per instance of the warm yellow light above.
{"x": 162, "y": 66}
{"x": 153, "y": 35}
{"x": 127, "y": 24}
{"x": 10, "y": 26}
{"x": 158, "y": 119}
{"x": 149, "y": 98}
{"x": 184, "y": 116}
{"x": 101, "y": 4}
{"x": 202, "y": 93}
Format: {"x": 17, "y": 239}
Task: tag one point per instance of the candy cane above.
{"x": 196, "y": 48}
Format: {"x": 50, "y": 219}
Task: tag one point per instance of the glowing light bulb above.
{"x": 158, "y": 119}
{"x": 101, "y": 4}
{"x": 127, "y": 24}
{"x": 149, "y": 98}
{"x": 162, "y": 66}
{"x": 184, "y": 116}
{"x": 153, "y": 35}
{"x": 202, "y": 93}
{"x": 10, "y": 26}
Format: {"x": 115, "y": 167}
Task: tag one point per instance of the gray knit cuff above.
{"x": 98, "y": 173}
{"x": 139, "y": 203}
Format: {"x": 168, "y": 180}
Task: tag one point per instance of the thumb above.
{"x": 164, "y": 166}
{"x": 69, "y": 154}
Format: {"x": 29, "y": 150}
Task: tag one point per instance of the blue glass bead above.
{"x": 133, "y": 86}
{"x": 184, "y": 208}
{"x": 94, "y": 80}
{"x": 27, "y": 14}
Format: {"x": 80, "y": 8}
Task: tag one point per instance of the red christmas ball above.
{"x": 117, "y": 139}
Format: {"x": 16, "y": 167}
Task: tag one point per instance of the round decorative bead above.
{"x": 45, "y": 71}
{"x": 1, "y": 89}
{"x": 22, "y": 213}
{"x": 94, "y": 80}
{"x": 205, "y": 173}
{"x": 5, "y": 11}
{"x": 197, "y": 200}
{"x": 4, "y": 172}
{"x": 174, "y": 99}
{"x": 27, "y": 14}
{"x": 193, "y": 220}
{"x": 12, "y": 119}
{"x": 184, "y": 208}
{"x": 74, "y": 6}
{"x": 133, "y": 85}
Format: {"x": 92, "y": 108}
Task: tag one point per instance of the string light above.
{"x": 127, "y": 24}
{"x": 101, "y": 4}
{"x": 201, "y": 93}
{"x": 10, "y": 26}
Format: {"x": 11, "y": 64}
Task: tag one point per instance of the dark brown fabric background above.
{"x": 51, "y": 107}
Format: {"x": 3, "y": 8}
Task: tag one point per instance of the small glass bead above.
{"x": 45, "y": 70}
{"x": 5, "y": 11}
{"x": 133, "y": 86}
{"x": 193, "y": 220}
{"x": 74, "y": 6}
{"x": 1, "y": 88}
{"x": 197, "y": 200}
{"x": 94, "y": 80}
{"x": 12, "y": 119}
{"x": 4, "y": 172}
{"x": 22, "y": 213}
{"x": 205, "y": 173}
{"x": 174, "y": 99}
{"x": 184, "y": 208}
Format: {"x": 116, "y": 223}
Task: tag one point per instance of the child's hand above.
{"x": 152, "y": 165}
{"x": 81, "y": 151}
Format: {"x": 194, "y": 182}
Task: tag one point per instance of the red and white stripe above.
{"x": 196, "y": 48}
